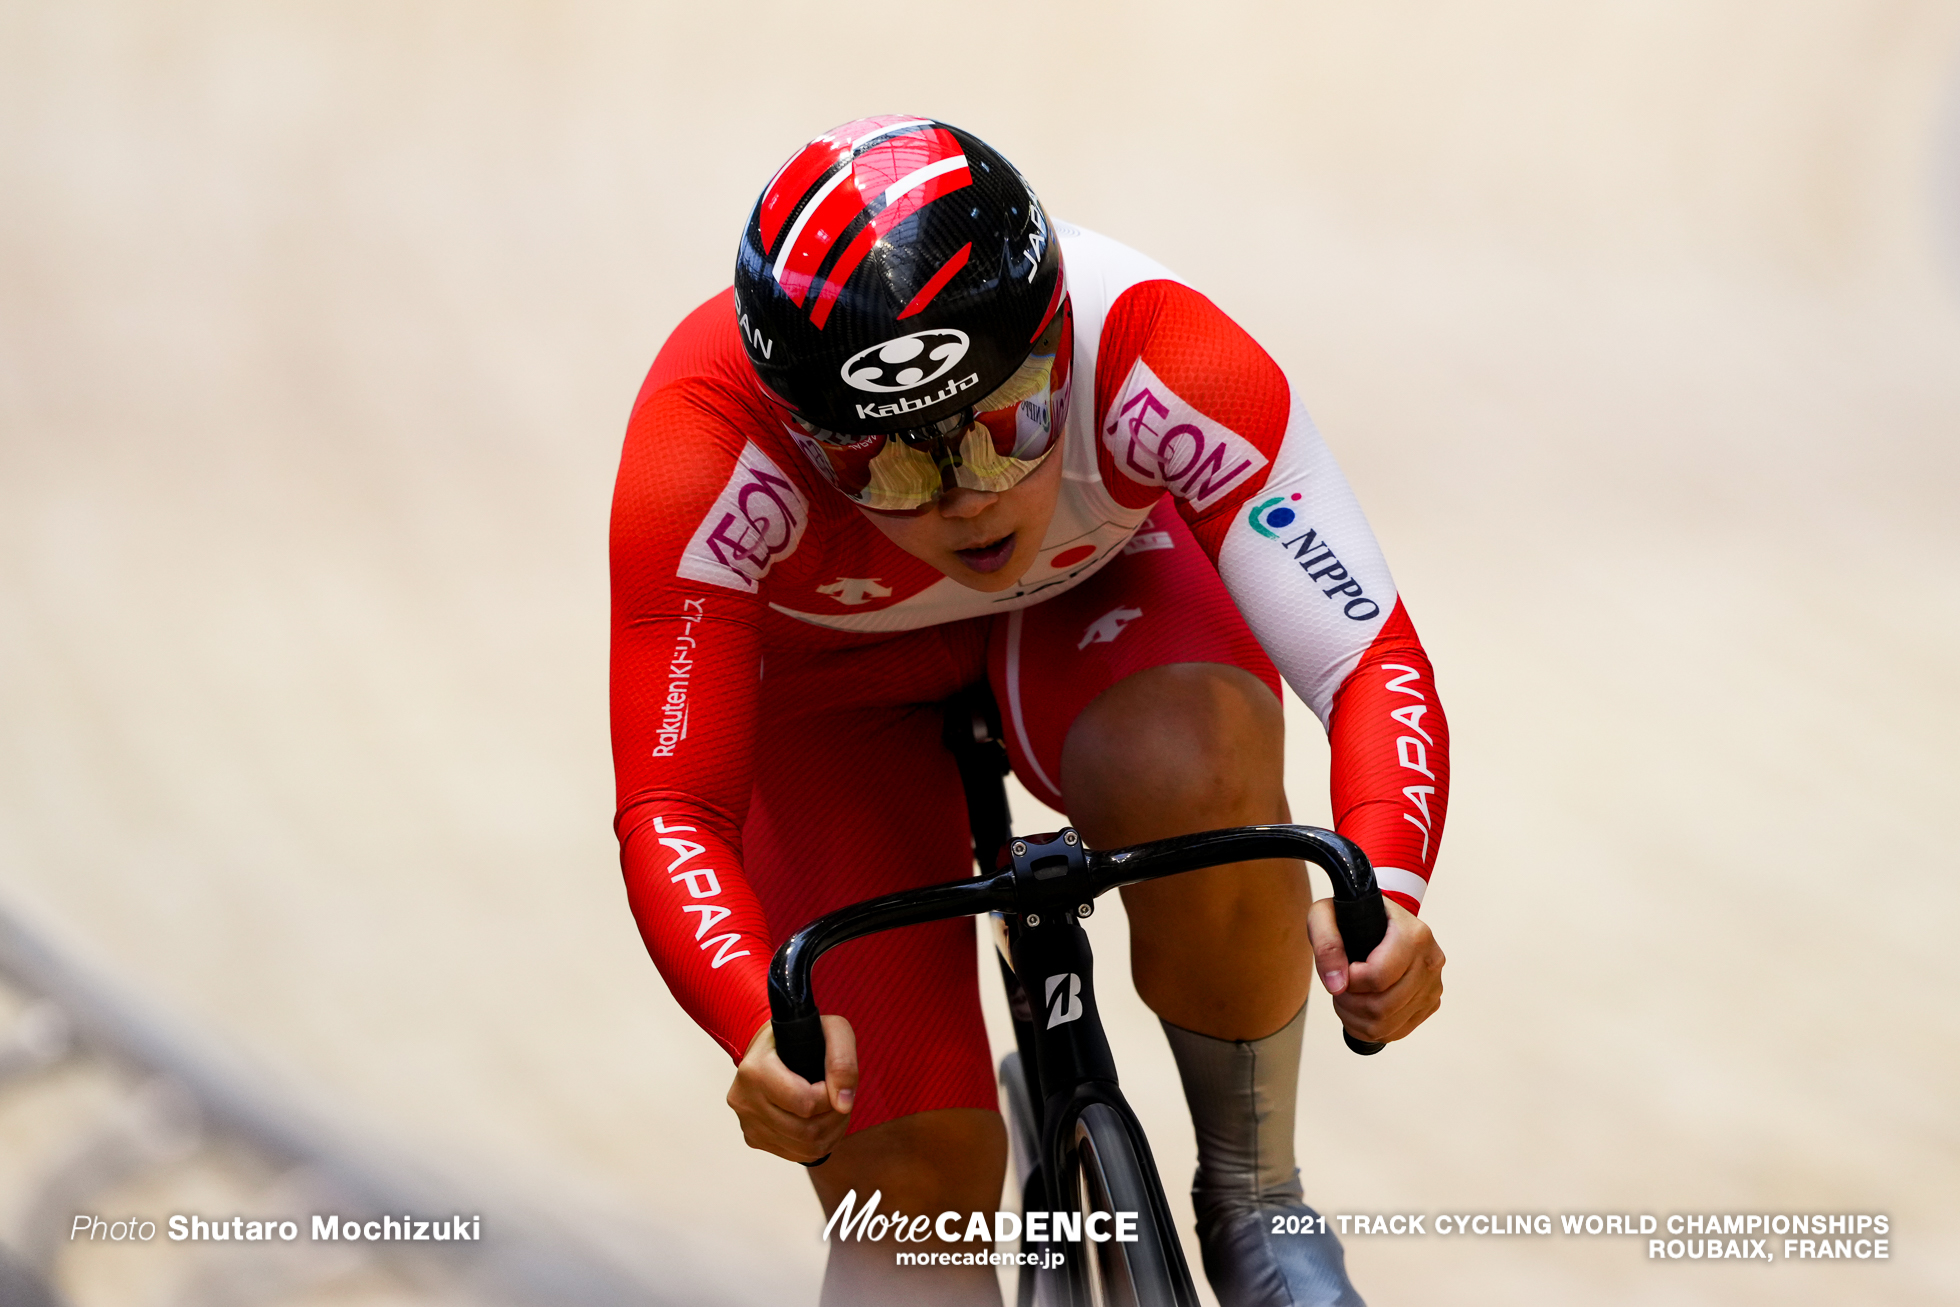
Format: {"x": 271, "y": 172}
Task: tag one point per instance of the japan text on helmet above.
{"x": 895, "y": 276}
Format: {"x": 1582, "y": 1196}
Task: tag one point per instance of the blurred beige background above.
{"x": 1636, "y": 326}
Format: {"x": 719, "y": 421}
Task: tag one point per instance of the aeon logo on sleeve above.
{"x": 1064, "y": 997}
{"x": 1159, "y": 440}
{"x": 905, "y": 362}
{"x": 757, "y": 519}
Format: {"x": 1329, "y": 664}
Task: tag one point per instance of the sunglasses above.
{"x": 992, "y": 445}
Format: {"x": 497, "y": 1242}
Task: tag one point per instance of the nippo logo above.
{"x": 905, "y": 362}
{"x": 1272, "y": 516}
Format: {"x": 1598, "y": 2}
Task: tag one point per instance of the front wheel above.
{"x": 1108, "y": 1176}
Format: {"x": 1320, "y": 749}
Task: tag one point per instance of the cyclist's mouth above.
{"x": 989, "y": 558}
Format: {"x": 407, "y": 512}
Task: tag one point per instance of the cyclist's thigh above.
{"x": 1160, "y": 602}
{"x": 856, "y": 796}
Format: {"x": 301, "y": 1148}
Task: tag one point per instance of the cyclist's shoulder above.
{"x": 1183, "y": 397}
{"x": 698, "y": 413}
{"x": 700, "y": 388}
{"x": 1108, "y": 280}
{"x": 710, "y": 486}
{"x": 1100, "y": 268}
{"x": 704, "y": 344}
{"x": 1129, "y": 308}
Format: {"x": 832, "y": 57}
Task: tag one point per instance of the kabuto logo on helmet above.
{"x": 866, "y": 228}
{"x": 905, "y": 362}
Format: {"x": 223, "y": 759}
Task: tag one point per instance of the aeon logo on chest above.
{"x": 757, "y": 519}
{"x": 905, "y": 362}
{"x": 1159, "y": 440}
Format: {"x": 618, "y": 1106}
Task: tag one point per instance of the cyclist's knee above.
{"x": 1172, "y": 745}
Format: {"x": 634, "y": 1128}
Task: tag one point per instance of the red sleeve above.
{"x": 684, "y": 687}
{"x": 1390, "y": 777}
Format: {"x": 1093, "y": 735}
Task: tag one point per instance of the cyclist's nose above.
{"x": 961, "y": 502}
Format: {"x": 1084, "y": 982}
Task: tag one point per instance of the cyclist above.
{"x": 932, "y": 436}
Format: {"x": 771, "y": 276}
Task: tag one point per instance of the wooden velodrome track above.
{"x": 1637, "y": 329}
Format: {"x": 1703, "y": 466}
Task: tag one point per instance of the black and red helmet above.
{"x": 895, "y": 272}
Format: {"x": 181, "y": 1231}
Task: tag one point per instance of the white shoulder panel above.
{"x": 1100, "y": 269}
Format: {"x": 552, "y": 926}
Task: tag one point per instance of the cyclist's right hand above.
{"x": 784, "y": 1114}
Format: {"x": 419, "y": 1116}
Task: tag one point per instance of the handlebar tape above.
{"x": 799, "y": 1042}
{"x": 1363, "y": 922}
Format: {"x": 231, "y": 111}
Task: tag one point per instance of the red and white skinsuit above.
{"x": 775, "y": 657}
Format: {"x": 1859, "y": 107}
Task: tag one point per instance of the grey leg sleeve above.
{"x": 1241, "y": 1094}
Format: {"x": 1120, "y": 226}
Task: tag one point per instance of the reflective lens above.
{"x": 992, "y": 446}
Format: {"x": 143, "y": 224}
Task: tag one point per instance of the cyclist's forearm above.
{"x": 698, "y": 917}
{"x": 1390, "y": 773}
{"x": 684, "y": 673}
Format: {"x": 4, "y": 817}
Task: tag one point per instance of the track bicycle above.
{"x": 1086, "y": 1152}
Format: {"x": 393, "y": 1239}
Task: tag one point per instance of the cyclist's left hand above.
{"x": 1397, "y": 988}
